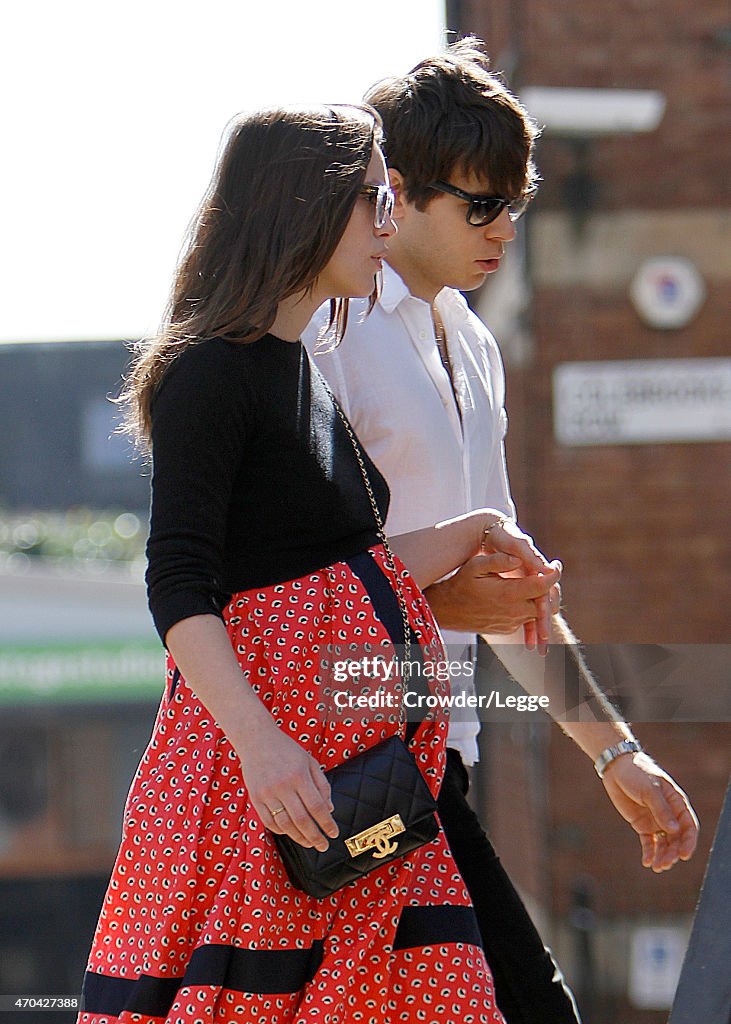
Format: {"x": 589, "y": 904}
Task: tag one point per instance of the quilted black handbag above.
{"x": 384, "y": 810}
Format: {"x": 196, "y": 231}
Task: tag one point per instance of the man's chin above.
{"x": 469, "y": 284}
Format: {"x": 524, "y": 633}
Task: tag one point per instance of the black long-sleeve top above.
{"x": 254, "y": 477}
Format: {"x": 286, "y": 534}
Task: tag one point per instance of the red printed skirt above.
{"x": 200, "y": 922}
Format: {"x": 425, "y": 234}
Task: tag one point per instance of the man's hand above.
{"x": 477, "y": 599}
{"x": 656, "y": 808}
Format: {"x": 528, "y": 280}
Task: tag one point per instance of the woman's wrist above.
{"x": 464, "y": 533}
{"x": 477, "y": 524}
{"x": 252, "y": 728}
{"x": 494, "y": 521}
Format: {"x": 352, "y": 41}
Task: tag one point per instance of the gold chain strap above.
{"x": 406, "y": 663}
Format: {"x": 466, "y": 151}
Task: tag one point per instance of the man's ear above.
{"x": 396, "y": 180}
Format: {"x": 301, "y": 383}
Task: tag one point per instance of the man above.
{"x": 422, "y": 382}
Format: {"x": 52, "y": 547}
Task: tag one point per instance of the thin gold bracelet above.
{"x": 486, "y": 532}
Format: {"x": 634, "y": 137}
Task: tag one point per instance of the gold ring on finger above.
{"x": 277, "y": 811}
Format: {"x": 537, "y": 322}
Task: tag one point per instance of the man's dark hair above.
{"x": 451, "y": 114}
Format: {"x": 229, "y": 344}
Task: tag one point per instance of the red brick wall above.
{"x": 643, "y": 530}
{"x": 671, "y": 46}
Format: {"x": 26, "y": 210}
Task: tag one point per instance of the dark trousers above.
{"x": 529, "y": 987}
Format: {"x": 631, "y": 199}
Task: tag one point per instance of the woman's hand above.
{"x": 288, "y": 788}
{"x": 434, "y": 552}
{"x": 286, "y": 785}
{"x": 504, "y": 535}
{"x": 501, "y": 534}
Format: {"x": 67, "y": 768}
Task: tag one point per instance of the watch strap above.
{"x": 612, "y": 753}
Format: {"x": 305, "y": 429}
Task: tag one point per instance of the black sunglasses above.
{"x": 484, "y": 210}
{"x": 382, "y": 197}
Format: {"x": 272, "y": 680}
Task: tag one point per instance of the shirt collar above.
{"x": 395, "y": 291}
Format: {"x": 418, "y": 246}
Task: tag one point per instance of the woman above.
{"x": 262, "y": 552}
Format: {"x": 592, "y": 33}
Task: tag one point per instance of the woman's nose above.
{"x": 389, "y": 228}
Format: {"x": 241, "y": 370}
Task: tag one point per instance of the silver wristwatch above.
{"x": 612, "y": 753}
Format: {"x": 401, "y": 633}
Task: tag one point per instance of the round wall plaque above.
{"x": 667, "y": 292}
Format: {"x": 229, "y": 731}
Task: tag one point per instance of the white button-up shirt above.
{"x": 439, "y": 461}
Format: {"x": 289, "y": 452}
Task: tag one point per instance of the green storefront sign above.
{"x": 81, "y": 673}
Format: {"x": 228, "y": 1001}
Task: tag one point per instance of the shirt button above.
{"x": 422, "y": 334}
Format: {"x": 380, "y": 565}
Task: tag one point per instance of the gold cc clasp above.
{"x": 378, "y": 837}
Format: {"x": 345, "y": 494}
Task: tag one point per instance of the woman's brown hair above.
{"x": 279, "y": 201}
